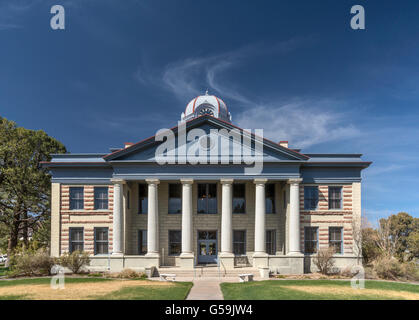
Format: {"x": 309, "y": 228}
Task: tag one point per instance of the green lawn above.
{"x": 177, "y": 292}
{"x": 146, "y": 289}
{"x": 317, "y": 290}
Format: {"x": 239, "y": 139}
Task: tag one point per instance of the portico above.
{"x": 221, "y": 222}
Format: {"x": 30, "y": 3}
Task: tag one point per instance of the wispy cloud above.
{"x": 303, "y": 123}
{"x": 187, "y": 78}
{"x": 13, "y": 12}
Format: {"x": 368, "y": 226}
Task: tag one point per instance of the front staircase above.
{"x": 208, "y": 271}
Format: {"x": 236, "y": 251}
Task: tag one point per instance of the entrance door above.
{"x": 207, "y": 246}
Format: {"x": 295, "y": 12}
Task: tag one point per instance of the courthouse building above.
{"x": 128, "y": 210}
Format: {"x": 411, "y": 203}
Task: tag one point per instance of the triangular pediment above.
{"x": 226, "y": 143}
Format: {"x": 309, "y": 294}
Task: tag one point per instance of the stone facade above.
{"x": 63, "y": 218}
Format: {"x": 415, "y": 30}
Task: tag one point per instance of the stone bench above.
{"x": 246, "y": 277}
{"x": 167, "y": 276}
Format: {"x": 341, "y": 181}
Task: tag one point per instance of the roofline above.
{"x": 52, "y": 164}
{"x": 364, "y": 164}
{"x": 334, "y": 154}
{"x": 209, "y": 117}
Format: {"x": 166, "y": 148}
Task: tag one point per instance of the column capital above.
{"x": 186, "y": 181}
{"x": 226, "y": 181}
{"x": 118, "y": 181}
{"x": 260, "y": 181}
{"x": 152, "y": 181}
{"x": 295, "y": 181}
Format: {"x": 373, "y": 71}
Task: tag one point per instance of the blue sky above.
{"x": 123, "y": 69}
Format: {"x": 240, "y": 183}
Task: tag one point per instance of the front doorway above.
{"x": 207, "y": 247}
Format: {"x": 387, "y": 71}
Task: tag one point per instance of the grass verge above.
{"x": 318, "y": 290}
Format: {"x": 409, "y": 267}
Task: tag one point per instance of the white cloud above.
{"x": 302, "y": 123}
{"x": 191, "y": 76}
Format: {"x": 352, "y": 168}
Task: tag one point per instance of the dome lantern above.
{"x": 206, "y": 105}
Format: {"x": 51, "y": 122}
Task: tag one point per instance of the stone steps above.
{"x": 208, "y": 272}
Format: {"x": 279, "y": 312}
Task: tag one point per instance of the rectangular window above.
{"x": 128, "y": 200}
{"x": 101, "y": 198}
{"x": 311, "y": 198}
{"x": 335, "y": 239}
{"x": 175, "y": 242}
{"x": 271, "y": 242}
{"x": 175, "y": 198}
{"x": 239, "y": 242}
{"x": 142, "y": 198}
{"x": 142, "y": 242}
{"x": 101, "y": 241}
{"x": 335, "y": 197}
{"x": 270, "y": 197}
{"x": 76, "y": 240}
{"x": 76, "y": 198}
{"x": 207, "y": 198}
{"x": 310, "y": 239}
{"x": 239, "y": 198}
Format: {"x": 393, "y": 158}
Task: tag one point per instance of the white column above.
{"x": 260, "y": 246}
{"x": 294, "y": 224}
{"x": 117, "y": 217}
{"x": 152, "y": 218}
{"x": 227, "y": 217}
{"x": 187, "y": 216}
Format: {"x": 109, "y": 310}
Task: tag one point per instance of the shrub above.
{"x": 75, "y": 261}
{"x": 410, "y": 270}
{"x": 324, "y": 260}
{"x": 31, "y": 263}
{"x": 387, "y": 267}
{"x": 131, "y": 274}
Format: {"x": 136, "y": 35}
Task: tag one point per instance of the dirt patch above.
{"x": 75, "y": 291}
{"x": 348, "y": 291}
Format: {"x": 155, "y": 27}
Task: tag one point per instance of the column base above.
{"x": 186, "y": 260}
{"x": 296, "y": 262}
{"x": 226, "y": 260}
{"x": 116, "y": 262}
{"x": 260, "y": 260}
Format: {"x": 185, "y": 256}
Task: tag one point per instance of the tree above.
{"x": 370, "y": 250}
{"x": 25, "y": 186}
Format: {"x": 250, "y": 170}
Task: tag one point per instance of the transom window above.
{"x": 270, "y": 197}
{"x": 335, "y": 239}
{"x": 101, "y": 241}
{"x": 310, "y": 239}
{"x": 76, "y": 198}
{"x": 239, "y": 242}
{"x": 311, "y": 197}
{"x": 207, "y": 198}
{"x": 101, "y": 198}
{"x": 270, "y": 242}
{"x": 175, "y": 242}
{"x": 76, "y": 240}
{"x": 175, "y": 198}
{"x": 142, "y": 198}
{"x": 335, "y": 197}
{"x": 239, "y": 198}
{"x": 142, "y": 242}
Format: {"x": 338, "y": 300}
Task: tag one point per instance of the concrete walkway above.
{"x": 205, "y": 289}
